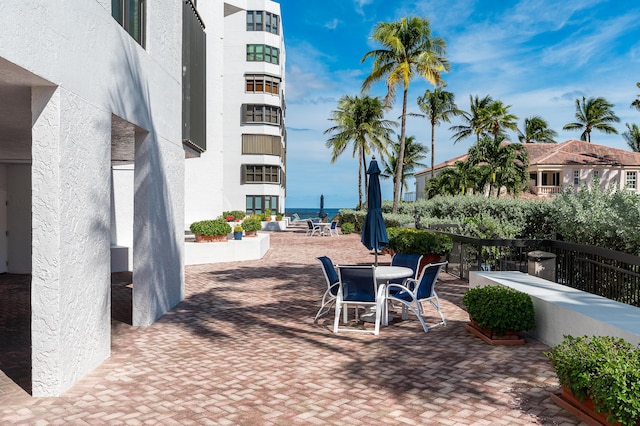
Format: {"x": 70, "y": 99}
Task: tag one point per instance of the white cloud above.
{"x": 333, "y": 24}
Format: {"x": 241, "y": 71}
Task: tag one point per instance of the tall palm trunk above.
{"x": 398, "y": 180}
{"x": 360, "y": 172}
{"x": 433, "y": 146}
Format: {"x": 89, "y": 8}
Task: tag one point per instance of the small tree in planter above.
{"x": 599, "y": 374}
{"x": 251, "y": 225}
{"x": 237, "y": 232}
{"x": 210, "y": 230}
{"x": 499, "y": 313}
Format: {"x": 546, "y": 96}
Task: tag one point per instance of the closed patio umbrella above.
{"x": 374, "y": 232}
{"x": 321, "y": 214}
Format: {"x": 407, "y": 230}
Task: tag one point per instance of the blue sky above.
{"x": 537, "y": 56}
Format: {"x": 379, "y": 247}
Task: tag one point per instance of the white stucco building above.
{"x": 244, "y": 167}
{"x": 92, "y": 154}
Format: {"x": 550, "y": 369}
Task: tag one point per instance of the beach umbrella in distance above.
{"x": 322, "y": 213}
{"x": 374, "y": 233}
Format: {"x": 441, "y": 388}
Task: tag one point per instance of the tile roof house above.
{"x": 570, "y": 164}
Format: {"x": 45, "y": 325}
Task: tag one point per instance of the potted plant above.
{"x": 279, "y": 217}
{"x": 600, "y": 377}
{"x": 237, "y": 232}
{"x": 251, "y": 225}
{"x": 498, "y": 314}
{"x": 210, "y": 230}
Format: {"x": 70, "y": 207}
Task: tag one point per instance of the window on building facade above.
{"x": 257, "y": 204}
{"x": 631, "y": 180}
{"x": 259, "y": 173}
{"x": 259, "y": 20}
{"x": 263, "y": 53}
{"x": 576, "y": 177}
{"x": 267, "y": 114}
{"x": 262, "y": 145}
{"x": 131, "y": 14}
{"x": 260, "y": 83}
{"x": 596, "y": 175}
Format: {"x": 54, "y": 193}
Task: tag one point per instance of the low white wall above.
{"x": 248, "y": 248}
{"x": 561, "y": 310}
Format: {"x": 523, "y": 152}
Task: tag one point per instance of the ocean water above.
{"x": 308, "y": 213}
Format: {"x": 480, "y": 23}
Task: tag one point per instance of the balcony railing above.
{"x": 547, "y": 190}
{"x": 194, "y": 44}
{"x": 607, "y": 273}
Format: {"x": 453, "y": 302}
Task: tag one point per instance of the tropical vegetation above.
{"x": 536, "y": 129}
{"x": 360, "y": 121}
{"x": 593, "y": 114}
{"x": 407, "y": 50}
{"x": 632, "y": 137}
{"x": 438, "y": 106}
{"x": 500, "y": 309}
{"x": 413, "y": 153}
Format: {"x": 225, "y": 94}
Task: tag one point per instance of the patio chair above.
{"x": 295, "y": 217}
{"x": 413, "y": 292}
{"x": 333, "y": 228}
{"x": 312, "y": 228}
{"x": 408, "y": 261}
{"x": 357, "y": 286}
{"x": 333, "y": 282}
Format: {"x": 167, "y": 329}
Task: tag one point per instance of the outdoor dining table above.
{"x": 383, "y": 275}
{"x": 323, "y": 226}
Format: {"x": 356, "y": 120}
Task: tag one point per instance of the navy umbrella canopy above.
{"x": 374, "y": 232}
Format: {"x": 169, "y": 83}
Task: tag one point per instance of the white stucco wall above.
{"x": 96, "y": 69}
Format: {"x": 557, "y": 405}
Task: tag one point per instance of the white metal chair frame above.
{"x": 329, "y": 297}
{"x": 408, "y": 293}
{"x": 312, "y": 228}
{"x": 375, "y": 296}
{"x": 333, "y": 228}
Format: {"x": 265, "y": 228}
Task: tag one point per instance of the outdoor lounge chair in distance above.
{"x": 357, "y": 286}
{"x": 413, "y": 292}
{"x": 312, "y": 228}
{"x": 333, "y": 282}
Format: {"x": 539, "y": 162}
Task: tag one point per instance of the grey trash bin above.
{"x": 542, "y": 264}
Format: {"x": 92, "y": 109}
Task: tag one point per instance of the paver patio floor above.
{"x": 242, "y": 349}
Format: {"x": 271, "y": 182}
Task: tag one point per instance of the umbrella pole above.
{"x": 375, "y": 251}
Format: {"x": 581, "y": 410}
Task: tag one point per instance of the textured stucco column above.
{"x": 158, "y": 242}
{"x": 71, "y": 303}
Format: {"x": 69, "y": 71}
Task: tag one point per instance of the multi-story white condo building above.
{"x": 244, "y": 167}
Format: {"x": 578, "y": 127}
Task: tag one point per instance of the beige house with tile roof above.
{"x": 570, "y": 164}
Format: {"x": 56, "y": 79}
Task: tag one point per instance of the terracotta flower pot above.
{"x": 509, "y": 337}
{"x": 210, "y": 238}
{"x": 584, "y": 410}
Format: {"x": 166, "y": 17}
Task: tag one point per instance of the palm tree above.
{"x": 506, "y": 163}
{"x": 632, "y": 136}
{"x": 413, "y": 153}
{"x": 636, "y": 104}
{"x": 408, "y": 50}
{"x": 536, "y": 130}
{"x": 593, "y": 113}
{"x": 359, "y": 120}
{"x": 495, "y": 118}
{"x": 472, "y": 119}
{"x": 437, "y": 106}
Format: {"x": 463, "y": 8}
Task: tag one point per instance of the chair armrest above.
{"x": 400, "y": 287}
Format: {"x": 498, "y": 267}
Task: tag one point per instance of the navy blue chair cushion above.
{"x": 330, "y": 270}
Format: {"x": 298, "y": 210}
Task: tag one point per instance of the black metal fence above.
{"x": 611, "y": 274}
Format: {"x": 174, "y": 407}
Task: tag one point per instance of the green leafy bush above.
{"x": 500, "y": 308}
{"x": 603, "y": 368}
{"x": 210, "y": 227}
{"x": 347, "y": 228}
{"x": 355, "y": 217}
{"x": 252, "y": 223}
{"x": 416, "y": 241}
{"x": 238, "y": 215}
{"x": 237, "y": 228}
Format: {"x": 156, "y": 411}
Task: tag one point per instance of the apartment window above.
{"x": 263, "y": 53}
{"x": 576, "y": 177}
{"x": 260, "y": 83}
{"x": 267, "y": 114}
{"x": 259, "y": 20}
{"x": 257, "y": 204}
{"x": 259, "y": 173}
{"x": 631, "y": 180}
{"x": 596, "y": 175}
{"x": 262, "y": 145}
{"x": 131, "y": 14}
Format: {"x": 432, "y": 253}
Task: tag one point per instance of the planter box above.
{"x": 510, "y": 337}
{"x": 585, "y": 411}
{"x": 210, "y": 238}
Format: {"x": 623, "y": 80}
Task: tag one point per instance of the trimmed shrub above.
{"x": 500, "y": 308}
{"x": 415, "y": 241}
{"x": 347, "y": 228}
{"x": 210, "y": 227}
